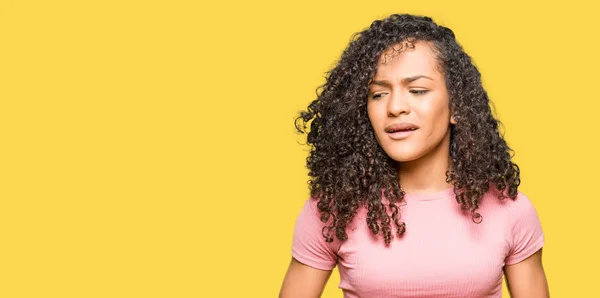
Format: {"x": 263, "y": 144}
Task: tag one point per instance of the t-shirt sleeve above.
{"x": 308, "y": 245}
{"x": 526, "y": 236}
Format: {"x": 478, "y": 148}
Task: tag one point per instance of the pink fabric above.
{"x": 442, "y": 254}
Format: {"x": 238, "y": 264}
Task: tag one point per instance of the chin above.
{"x": 405, "y": 152}
{"x": 403, "y": 156}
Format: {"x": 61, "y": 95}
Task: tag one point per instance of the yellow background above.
{"x": 148, "y": 149}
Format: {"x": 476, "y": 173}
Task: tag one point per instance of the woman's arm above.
{"x": 303, "y": 281}
{"x": 527, "y": 279}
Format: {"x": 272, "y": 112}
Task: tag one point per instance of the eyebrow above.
{"x": 403, "y": 80}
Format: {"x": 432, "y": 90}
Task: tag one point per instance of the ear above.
{"x": 452, "y": 117}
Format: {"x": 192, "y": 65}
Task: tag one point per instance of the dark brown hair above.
{"x": 348, "y": 168}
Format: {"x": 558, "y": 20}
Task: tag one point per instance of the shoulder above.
{"x": 308, "y": 245}
{"x": 309, "y": 214}
{"x": 311, "y": 223}
{"x": 521, "y": 211}
{"x": 495, "y": 199}
{"x": 523, "y": 228}
{"x": 516, "y": 213}
{"x": 511, "y": 213}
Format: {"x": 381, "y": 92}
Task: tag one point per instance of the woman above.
{"x": 413, "y": 191}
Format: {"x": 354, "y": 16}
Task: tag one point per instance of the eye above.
{"x": 418, "y": 91}
{"x": 377, "y": 96}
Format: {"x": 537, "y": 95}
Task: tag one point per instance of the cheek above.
{"x": 374, "y": 117}
{"x": 376, "y": 120}
{"x": 438, "y": 112}
{"x": 437, "y": 120}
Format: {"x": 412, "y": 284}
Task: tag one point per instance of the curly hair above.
{"x": 348, "y": 168}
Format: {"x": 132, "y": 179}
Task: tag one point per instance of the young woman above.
{"x": 413, "y": 191}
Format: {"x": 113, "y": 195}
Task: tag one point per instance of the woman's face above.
{"x": 408, "y": 104}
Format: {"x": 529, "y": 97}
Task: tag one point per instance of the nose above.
{"x": 398, "y": 104}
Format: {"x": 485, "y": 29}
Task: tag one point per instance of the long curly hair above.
{"x": 348, "y": 168}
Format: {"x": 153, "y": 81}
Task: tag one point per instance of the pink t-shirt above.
{"x": 443, "y": 253}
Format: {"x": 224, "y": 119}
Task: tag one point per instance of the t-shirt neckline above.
{"x": 430, "y": 196}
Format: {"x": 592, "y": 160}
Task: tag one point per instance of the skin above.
{"x": 408, "y": 87}
{"x": 527, "y": 278}
{"x": 302, "y": 281}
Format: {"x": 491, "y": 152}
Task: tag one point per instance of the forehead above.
{"x": 407, "y": 59}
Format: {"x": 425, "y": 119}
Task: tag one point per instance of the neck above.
{"x": 428, "y": 173}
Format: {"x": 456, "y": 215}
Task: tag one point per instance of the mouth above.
{"x": 401, "y": 134}
{"x": 401, "y": 130}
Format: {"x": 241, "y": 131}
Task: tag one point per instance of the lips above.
{"x": 400, "y": 131}
{"x": 401, "y": 127}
